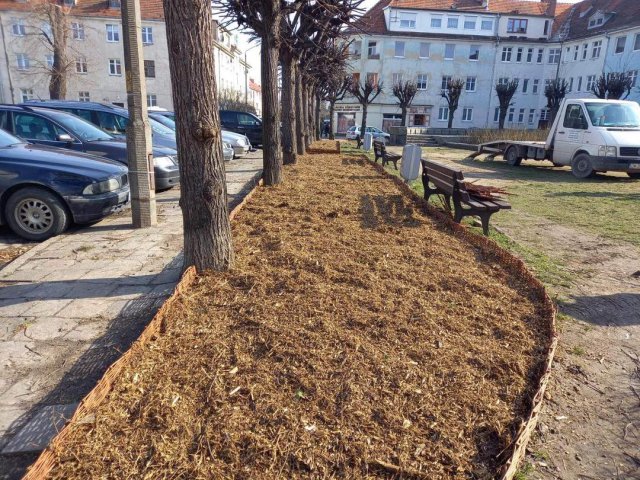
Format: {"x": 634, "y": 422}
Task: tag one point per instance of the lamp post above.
{"x": 139, "y": 153}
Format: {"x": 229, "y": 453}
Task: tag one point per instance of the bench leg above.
{"x": 484, "y": 218}
{"x": 395, "y": 164}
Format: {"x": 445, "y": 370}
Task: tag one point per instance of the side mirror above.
{"x": 63, "y": 137}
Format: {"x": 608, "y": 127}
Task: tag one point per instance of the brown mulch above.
{"x": 355, "y": 338}
{"x": 11, "y": 253}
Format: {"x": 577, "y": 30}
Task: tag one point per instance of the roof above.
{"x": 150, "y": 9}
{"x": 254, "y": 86}
{"x": 574, "y": 22}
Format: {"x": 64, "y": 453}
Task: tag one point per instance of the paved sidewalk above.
{"x": 70, "y": 306}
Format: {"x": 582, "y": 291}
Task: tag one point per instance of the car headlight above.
{"x": 226, "y": 145}
{"x": 102, "y": 187}
{"x": 163, "y": 162}
{"x": 604, "y": 151}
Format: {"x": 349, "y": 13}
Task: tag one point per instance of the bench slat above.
{"x": 431, "y": 165}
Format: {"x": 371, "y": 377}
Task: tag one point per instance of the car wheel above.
{"x": 511, "y": 156}
{"x": 36, "y": 214}
{"x": 635, "y": 175}
{"x": 581, "y": 166}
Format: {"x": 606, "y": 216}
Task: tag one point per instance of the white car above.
{"x": 378, "y": 134}
{"x": 240, "y": 143}
{"x": 227, "y": 152}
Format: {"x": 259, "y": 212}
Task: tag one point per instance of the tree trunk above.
{"x": 363, "y": 124}
{"x": 403, "y": 109}
{"x": 451, "y": 112}
{"x": 317, "y": 119}
{"x": 59, "y": 31}
{"x": 300, "y": 122}
{"x": 305, "y": 110}
{"x": 288, "y": 112}
{"x": 502, "y": 118}
{"x": 271, "y": 148}
{"x": 332, "y": 107}
{"x": 203, "y": 189}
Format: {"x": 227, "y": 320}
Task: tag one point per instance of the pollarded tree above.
{"x": 613, "y": 85}
{"x": 555, "y": 91}
{"x": 405, "y": 92}
{"x": 452, "y": 95}
{"x": 335, "y": 90}
{"x": 203, "y": 190}
{"x": 505, "y": 92}
{"x": 365, "y": 92}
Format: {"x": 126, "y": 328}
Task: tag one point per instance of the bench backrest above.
{"x": 446, "y": 179}
{"x": 378, "y": 148}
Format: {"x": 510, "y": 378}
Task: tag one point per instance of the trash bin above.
{"x": 368, "y": 142}
{"x": 410, "y": 166}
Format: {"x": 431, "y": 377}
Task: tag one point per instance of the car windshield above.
{"x": 79, "y": 127}
{"x": 166, "y": 121}
{"x": 6, "y": 139}
{"x": 160, "y": 129}
{"x": 614, "y": 114}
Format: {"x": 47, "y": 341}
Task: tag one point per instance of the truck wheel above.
{"x": 511, "y": 156}
{"x": 581, "y": 166}
{"x": 635, "y": 175}
{"x": 36, "y": 214}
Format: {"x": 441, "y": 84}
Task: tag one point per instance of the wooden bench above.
{"x": 380, "y": 151}
{"x": 451, "y": 184}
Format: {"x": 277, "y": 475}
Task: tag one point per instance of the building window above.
{"x": 443, "y": 114}
{"x": 449, "y": 51}
{"x": 595, "y": 51}
{"x": 579, "y": 84}
{"x": 18, "y": 28}
{"x": 503, "y": 80}
{"x": 26, "y": 94}
{"x": 576, "y": 51}
{"x": 474, "y": 52}
{"x": 425, "y": 50}
{"x": 115, "y": 67}
{"x": 544, "y": 114}
{"x": 525, "y": 85}
{"x": 396, "y": 79}
{"x": 445, "y": 81}
{"x": 546, "y": 27}
{"x": 470, "y": 23}
{"x": 620, "y": 44}
{"x": 467, "y": 114}
{"x": 399, "y": 52}
{"x": 636, "y": 44}
{"x": 486, "y": 25}
{"x": 506, "y": 54}
{"x": 147, "y": 35}
{"x": 512, "y": 112}
{"x": 372, "y": 78}
{"x": 436, "y": 21}
{"x": 591, "y": 81}
{"x": 470, "y": 84}
{"x": 529, "y": 55}
{"x": 113, "y": 33}
{"x": 517, "y": 25}
{"x": 150, "y": 69}
{"x": 22, "y": 61}
{"x": 536, "y": 86}
{"x": 408, "y": 20}
{"x": 585, "y": 49}
{"x": 596, "y": 22}
{"x": 77, "y": 31}
{"x": 49, "y": 60}
{"x": 540, "y": 55}
{"x": 422, "y": 81}
{"x": 554, "y": 55}
{"x": 152, "y": 100}
{"x": 519, "y": 53}
{"x": 452, "y": 22}
{"x": 633, "y": 75}
{"x": 521, "y": 115}
{"x": 372, "y": 50}
{"x": 355, "y": 49}
{"x": 532, "y": 114}
{"x": 81, "y": 65}
{"x": 570, "y": 86}
{"x": 496, "y": 114}
{"x": 84, "y": 97}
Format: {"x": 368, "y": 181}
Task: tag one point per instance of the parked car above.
{"x": 110, "y": 118}
{"x": 55, "y": 128}
{"x": 240, "y": 143}
{"x": 227, "y": 152}
{"x": 243, "y": 123}
{"x": 378, "y": 134}
{"x": 43, "y": 190}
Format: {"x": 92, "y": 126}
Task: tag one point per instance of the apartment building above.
{"x": 484, "y": 42}
{"x": 95, "y": 53}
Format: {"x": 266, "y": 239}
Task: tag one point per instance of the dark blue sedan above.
{"x": 43, "y": 190}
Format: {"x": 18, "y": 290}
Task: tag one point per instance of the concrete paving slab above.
{"x": 36, "y": 435}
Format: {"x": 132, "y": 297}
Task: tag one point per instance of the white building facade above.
{"x": 482, "y": 44}
{"x": 95, "y": 53}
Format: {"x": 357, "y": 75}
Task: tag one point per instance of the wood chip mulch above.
{"x": 355, "y": 338}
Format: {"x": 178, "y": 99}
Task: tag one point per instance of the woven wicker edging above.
{"x": 45, "y": 462}
{"x": 516, "y": 451}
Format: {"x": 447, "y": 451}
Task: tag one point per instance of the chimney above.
{"x": 551, "y": 7}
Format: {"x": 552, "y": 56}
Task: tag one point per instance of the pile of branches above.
{"x": 487, "y": 192}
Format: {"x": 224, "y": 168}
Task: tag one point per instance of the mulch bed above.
{"x": 355, "y": 338}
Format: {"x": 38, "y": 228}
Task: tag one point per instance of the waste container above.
{"x": 410, "y": 166}
{"x": 368, "y": 142}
